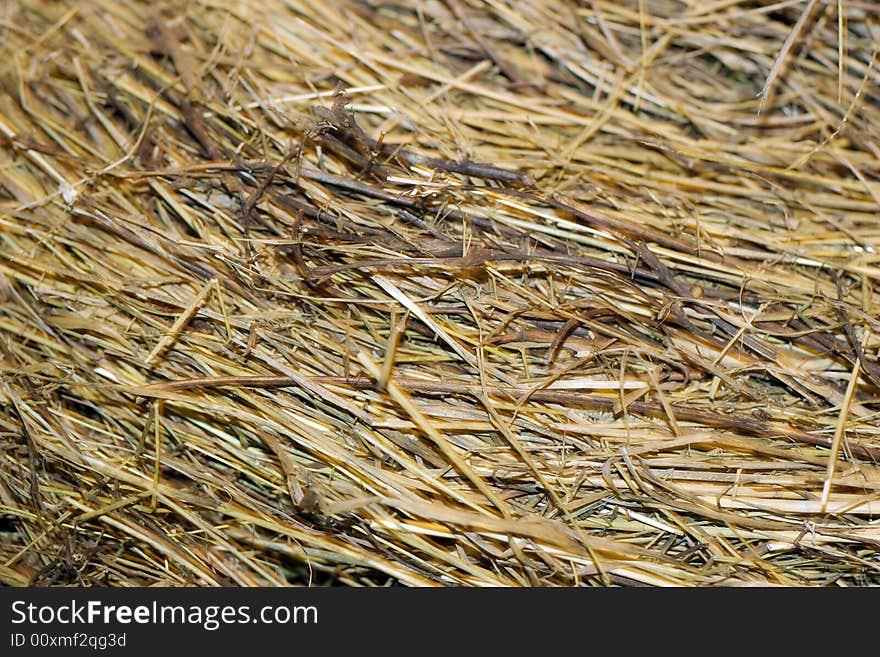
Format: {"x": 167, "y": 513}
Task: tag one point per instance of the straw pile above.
{"x": 439, "y": 293}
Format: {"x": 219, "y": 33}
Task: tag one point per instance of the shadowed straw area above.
{"x": 431, "y": 293}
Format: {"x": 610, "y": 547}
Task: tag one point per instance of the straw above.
{"x": 439, "y": 294}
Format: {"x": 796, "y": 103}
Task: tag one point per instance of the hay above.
{"x": 424, "y": 293}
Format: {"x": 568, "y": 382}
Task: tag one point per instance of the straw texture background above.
{"x": 469, "y": 293}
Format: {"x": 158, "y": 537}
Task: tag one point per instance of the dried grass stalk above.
{"x": 440, "y": 293}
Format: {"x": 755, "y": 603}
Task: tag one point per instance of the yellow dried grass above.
{"x": 478, "y": 293}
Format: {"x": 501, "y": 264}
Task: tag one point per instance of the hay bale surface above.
{"x": 439, "y": 293}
